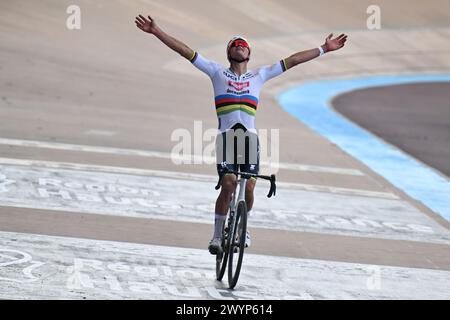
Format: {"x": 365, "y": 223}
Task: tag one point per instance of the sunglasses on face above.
{"x": 241, "y": 43}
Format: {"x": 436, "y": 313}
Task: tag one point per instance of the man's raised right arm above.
{"x": 149, "y": 26}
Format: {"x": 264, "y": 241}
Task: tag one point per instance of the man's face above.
{"x": 239, "y": 50}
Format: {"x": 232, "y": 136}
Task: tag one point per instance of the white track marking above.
{"x": 166, "y": 155}
{"x": 190, "y": 176}
{"x": 72, "y": 268}
{"x": 74, "y": 189}
{"x": 95, "y": 132}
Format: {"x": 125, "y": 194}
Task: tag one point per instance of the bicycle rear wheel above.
{"x": 222, "y": 257}
{"x": 237, "y": 244}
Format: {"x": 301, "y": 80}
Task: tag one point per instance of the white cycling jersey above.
{"x": 236, "y": 97}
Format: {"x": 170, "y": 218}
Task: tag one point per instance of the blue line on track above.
{"x": 310, "y": 103}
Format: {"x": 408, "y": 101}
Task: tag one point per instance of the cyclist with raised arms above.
{"x": 236, "y": 92}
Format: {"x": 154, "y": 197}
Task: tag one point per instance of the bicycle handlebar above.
{"x": 246, "y": 175}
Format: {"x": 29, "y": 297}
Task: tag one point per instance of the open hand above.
{"x": 146, "y": 25}
{"x": 336, "y": 43}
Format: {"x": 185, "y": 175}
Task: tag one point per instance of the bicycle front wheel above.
{"x": 237, "y": 244}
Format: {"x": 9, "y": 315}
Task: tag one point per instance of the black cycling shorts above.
{"x": 239, "y": 149}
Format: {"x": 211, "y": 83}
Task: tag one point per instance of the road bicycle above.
{"x": 235, "y": 230}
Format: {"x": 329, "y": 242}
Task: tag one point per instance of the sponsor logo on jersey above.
{"x": 238, "y": 92}
{"x": 238, "y": 85}
{"x": 229, "y": 75}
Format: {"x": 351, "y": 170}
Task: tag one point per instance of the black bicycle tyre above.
{"x": 222, "y": 258}
{"x": 241, "y": 214}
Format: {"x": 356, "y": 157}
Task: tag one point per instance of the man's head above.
{"x": 238, "y": 49}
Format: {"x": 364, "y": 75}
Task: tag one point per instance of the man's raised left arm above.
{"x": 304, "y": 56}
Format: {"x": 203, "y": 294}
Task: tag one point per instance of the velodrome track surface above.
{"x": 91, "y": 205}
{"x": 414, "y": 117}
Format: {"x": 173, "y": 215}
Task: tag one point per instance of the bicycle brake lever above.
{"x": 225, "y": 170}
{"x": 217, "y": 187}
{"x": 273, "y": 186}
